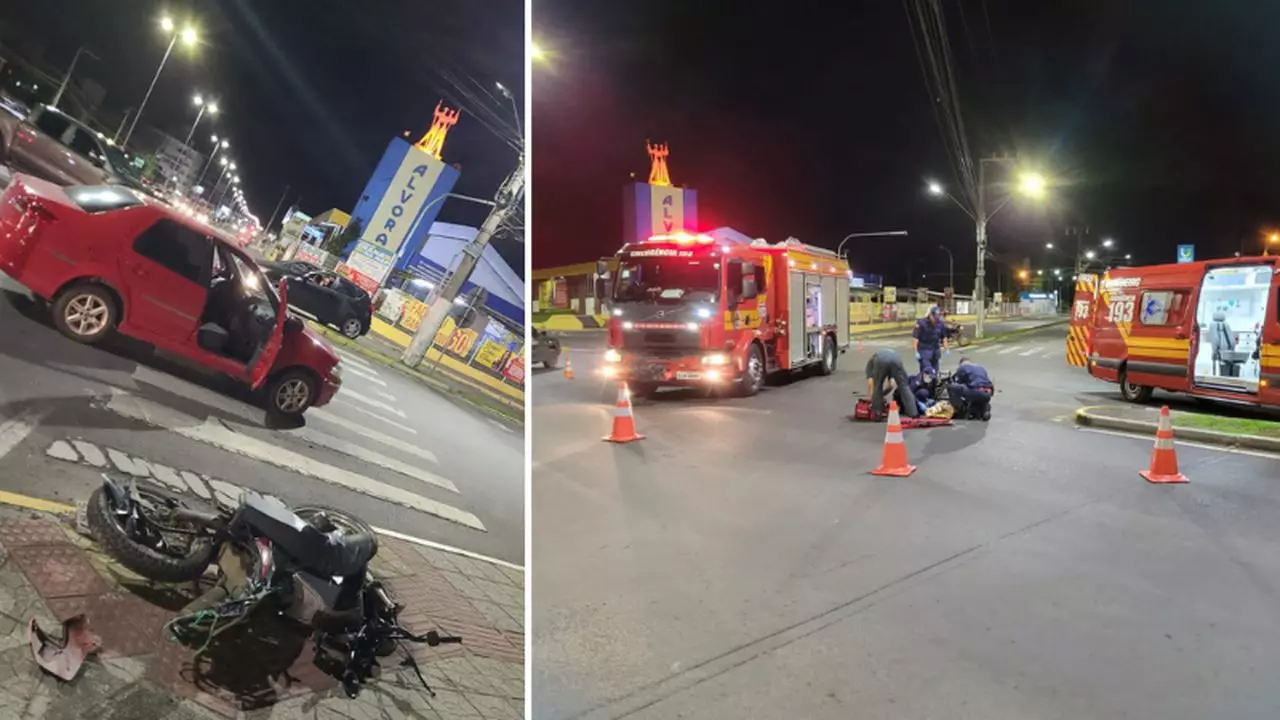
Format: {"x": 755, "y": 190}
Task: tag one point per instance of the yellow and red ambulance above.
{"x": 1209, "y": 329}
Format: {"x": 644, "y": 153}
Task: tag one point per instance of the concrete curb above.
{"x": 435, "y": 385}
{"x": 1090, "y": 416}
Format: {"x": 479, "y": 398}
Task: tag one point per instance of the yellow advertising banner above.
{"x": 667, "y": 207}
{"x": 405, "y": 197}
{"x": 490, "y": 355}
{"x": 411, "y": 318}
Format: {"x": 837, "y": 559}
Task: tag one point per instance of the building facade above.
{"x": 177, "y": 165}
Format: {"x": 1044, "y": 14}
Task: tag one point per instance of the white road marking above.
{"x": 91, "y": 453}
{"x": 361, "y": 453}
{"x": 125, "y": 464}
{"x": 1011, "y": 348}
{"x": 197, "y": 485}
{"x": 216, "y": 434}
{"x": 355, "y": 359}
{"x": 62, "y": 450}
{"x": 1032, "y": 351}
{"x": 446, "y": 548}
{"x": 16, "y": 429}
{"x": 500, "y": 425}
{"x": 363, "y": 374}
{"x": 202, "y": 395}
{"x": 373, "y": 403}
{"x": 167, "y": 475}
{"x": 386, "y": 395}
{"x": 371, "y": 413}
{"x": 387, "y": 440}
{"x": 1189, "y": 443}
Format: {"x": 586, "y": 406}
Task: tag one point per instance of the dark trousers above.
{"x": 968, "y": 400}
{"x": 906, "y": 401}
{"x": 931, "y": 357}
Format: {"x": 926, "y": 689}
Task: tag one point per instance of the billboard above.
{"x": 650, "y": 210}
{"x": 397, "y": 207}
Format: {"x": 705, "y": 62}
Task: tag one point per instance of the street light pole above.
{"x": 509, "y": 197}
{"x": 951, "y": 267}
{"x": 217, "y": 146}
{"x": 67, "y": 80}
{"x": 850, "y": 236}
{"x": 213, "y": 107}
{"x": 151, "y": 87}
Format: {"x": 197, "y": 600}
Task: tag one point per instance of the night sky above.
{"x": 1156, "y": 121}
{"x": 311, "y": 91}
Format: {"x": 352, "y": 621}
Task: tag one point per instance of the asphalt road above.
{"x": 741, "y": 562}
{"x": 387, "y": 449}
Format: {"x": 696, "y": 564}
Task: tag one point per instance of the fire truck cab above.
{"x": 719, "y": 308}
{"x": 1209, "y": 329}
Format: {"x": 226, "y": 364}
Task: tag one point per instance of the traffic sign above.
{"x": 891, "y": 294}
{"x": 1186, "y": 253}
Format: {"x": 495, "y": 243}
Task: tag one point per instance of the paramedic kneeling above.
{"x": 971, "y": 390}
{"x": 883, "y": 366}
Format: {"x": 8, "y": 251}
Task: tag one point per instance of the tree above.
{"x": 338, "y": 242}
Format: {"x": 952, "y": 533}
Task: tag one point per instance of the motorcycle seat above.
{"x": 325, "y": 554}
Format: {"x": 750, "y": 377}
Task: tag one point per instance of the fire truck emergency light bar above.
{"x": 683, "y": 238}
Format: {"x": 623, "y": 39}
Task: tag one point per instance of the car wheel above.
{"x": 1133, "y": 392}
{"x": 551, "y": 361}
{"x": 85, "y": 313}
{"x": 291, "y": 393}
{"x": 828, "y": 356}
{"x": 753, "y": 373}
{"x": 352, "y": 328}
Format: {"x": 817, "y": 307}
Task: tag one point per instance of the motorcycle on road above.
{"x": 956, "y": 334}
{"x": 309, "y": 563}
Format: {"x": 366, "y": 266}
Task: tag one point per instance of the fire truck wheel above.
{"x": 828, "y": 356}
{"x": 643, "y": 390}
{"x": 1132, "y": 392}
{"x": 753, "y": 373}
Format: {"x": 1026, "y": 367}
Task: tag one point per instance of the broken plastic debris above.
{"x": 63, "y": 658}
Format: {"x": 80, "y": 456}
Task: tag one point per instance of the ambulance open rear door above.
{"x": 1080, "y": 334}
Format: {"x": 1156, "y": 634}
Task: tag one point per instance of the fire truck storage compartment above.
{"x": 814, "y": 305}
{"x": 1230, "y": 316}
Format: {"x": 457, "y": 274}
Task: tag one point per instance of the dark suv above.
{"x": 326, "y": 296}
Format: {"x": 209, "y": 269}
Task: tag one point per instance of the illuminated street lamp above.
{"x": 1048, "y": 246}
{"x": 189, "y": 38}
{"x": 1108, "y": 242}
{"x": 1091, "y": 255}
{"x": 212, "y": 107}
{"x": 1030, "y": 184}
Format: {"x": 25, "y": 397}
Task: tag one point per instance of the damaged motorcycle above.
{"x": 309, "y": 563}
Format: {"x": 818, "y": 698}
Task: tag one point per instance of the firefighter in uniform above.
{"x": 929, "y": 339}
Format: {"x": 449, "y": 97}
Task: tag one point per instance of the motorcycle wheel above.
{"x": 346, "y": 522}
{"x": 146, "y": 561}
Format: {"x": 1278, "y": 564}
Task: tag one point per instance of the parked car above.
{"x": 13, "y": 106}
{"x": 108, "y": 259}
{"x": 326, "y": 296}
{"x": 546, "y": 349}
{"x": 54, "y": 146}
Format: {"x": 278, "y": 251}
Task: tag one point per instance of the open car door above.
{"x": 266, "y": 356}
{"x": 1080, "y": 334}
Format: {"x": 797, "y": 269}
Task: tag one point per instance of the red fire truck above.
{"x": 715, "y": 309}
{"x": 1209, "y": 329}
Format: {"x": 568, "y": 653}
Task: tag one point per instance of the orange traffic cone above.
{"x": 568, "y": 365}
{"x": 1164, "y": 459}
{"x": 859, "y": 345}
{"x": 624, "y": 423}
{"x": 894, "y": 460}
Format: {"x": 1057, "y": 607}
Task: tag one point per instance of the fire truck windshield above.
{"x": 667, "y": 279}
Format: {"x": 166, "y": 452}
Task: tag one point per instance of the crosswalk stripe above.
{"x": 354, "y": 359}
{"x": 373, "y": 414}
{"x": 1011, "y": 348}
{"x": 362, "y": 453}
{"x": 402, "y": 446}
{"x": 353, "y": 395}
{"x": 386, "y": 395}
{"x": 1032, "y": 351}
{"x": 369, "y": 375}
{"x": 216, "y": 434}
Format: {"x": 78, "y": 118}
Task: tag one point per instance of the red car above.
{"x": 108, "y": 258}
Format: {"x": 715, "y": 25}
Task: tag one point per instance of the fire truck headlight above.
{"x": 628, "y": 326}
{"x": 608, "y": 371}
{"x": 711, "y": 376}
{"x": 715, "y": 359}
{"x": 612, "y": 356}
{"x": 617, "y": 312}
{"x": 691, "y": 327}
{"x": 704, "y": 313}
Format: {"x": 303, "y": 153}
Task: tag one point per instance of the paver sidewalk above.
{"x": 262, "y": 669}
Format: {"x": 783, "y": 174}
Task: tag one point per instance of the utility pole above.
{"x": 980, "y": 231}
{"x": 67, "y": 79}
{"x": 267, "y": 227}
{"x": 951, "y": 267}
{"x": 441, "y": 302}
